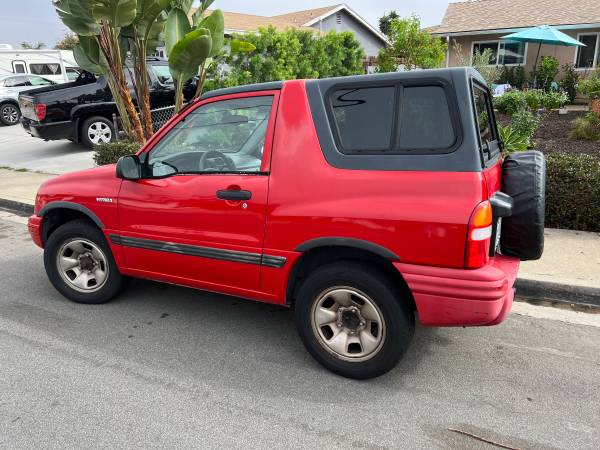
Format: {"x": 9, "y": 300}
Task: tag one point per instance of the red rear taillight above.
{"x": 40, "y": 111}
{"x": 479, "y": 235}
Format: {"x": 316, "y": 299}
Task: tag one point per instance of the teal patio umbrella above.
{"x": 543, "y": 34}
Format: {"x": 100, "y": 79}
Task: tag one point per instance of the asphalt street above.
{"x": 169, "y": 367}
{"x": 21, "y": 151}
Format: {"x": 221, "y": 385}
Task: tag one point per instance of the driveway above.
{"x": 168, "y": 367}
{"x": 18, "y": 150}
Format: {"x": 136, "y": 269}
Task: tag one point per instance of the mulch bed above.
{"x": 552, "y": 135}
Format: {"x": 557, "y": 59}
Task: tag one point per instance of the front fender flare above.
{"x": 74, "y": 206}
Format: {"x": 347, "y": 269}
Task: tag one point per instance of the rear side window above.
{"x": 425, "y": 121}
{"x": 484, "y": 121}
{"x": 364, "y": 118}
{"x": 392, "y": 120}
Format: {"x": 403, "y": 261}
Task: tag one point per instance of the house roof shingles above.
{"x": 301, "y": 17}
{"x": 249, "y": 22}
{"x": 480, "y": 15}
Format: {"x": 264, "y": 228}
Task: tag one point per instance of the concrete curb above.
{"x": 20, "y": 208}
{"x": 558, "y": 292}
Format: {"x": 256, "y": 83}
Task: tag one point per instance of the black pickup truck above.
{"x": 82, "y": 110}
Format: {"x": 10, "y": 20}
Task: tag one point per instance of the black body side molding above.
{"x": 74, "y": 206}
{"x": 348, "y": 242}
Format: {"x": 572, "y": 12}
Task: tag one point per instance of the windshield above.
{"x": 163, "y": 74}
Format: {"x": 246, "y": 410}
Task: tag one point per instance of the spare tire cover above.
{"x": 524, "y": 179}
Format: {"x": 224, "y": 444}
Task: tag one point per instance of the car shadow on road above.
{"x": 187, "y": 333}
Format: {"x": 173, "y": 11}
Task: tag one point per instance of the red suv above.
{"x": 360, "y": 201}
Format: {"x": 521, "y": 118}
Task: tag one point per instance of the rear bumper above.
{"x": 457, "y": 297}
{"x": 34, "y": 225}
{"x": 49, "y": 131}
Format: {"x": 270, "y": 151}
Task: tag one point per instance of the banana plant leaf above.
{"x": 199, "y": 13}
{"x": 184, "y": 5}
{"x": 189, "y": 53}
{"x": 176, "y": 28}
{"x": 148, "y": 12}
{"x": 238, "y": 46}
{"x": 77, "y": 16}
{"x": 118, "y": 13}
{"x": 87, "y": 55}
{"x": 215, "y": 23}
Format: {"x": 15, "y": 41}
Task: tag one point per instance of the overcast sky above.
{"x": 36, "y": 20}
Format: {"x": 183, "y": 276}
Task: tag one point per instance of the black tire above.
{"x": 72, "y": 231}
{"x": 524, "y": 179}
{"x": 397, "y": 315}
{"x": 102, "y": 125}
{"x": 9, "y": 114}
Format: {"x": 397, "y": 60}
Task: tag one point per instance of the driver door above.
{"x": 198, "y": 215}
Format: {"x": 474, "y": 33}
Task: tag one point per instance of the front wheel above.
{"x": 353, "y": 320}
{"x": 80, "y": 265}
{"x": 9, "y": 114}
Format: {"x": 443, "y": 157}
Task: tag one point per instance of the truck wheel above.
{"x": 524, "y": 179}
{"x": 80, "y": 265}
{"x": 353, "y": 320}
{"x": 97, "y": 130}
{"x": 9, "y": 114}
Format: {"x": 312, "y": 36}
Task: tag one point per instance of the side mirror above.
{"x": 129, "y": 167}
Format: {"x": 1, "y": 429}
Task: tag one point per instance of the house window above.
{"x": 588, "y": 56}
{"x": 507, "y": 53}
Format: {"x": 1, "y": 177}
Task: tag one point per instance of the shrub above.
{"x": 510, "y": 102}
{"x": 111, "y": 152}
{"x": 590, "y": 87}
{"x": 555, "y": 99}
{"x": 547, "y": 70}
{"x": 534, "y": 98}
{"x": 569, "y": 82}
{"x": 525, "y": 124}
{"x": 586, "y": 128}
{"x": 515, "y": 76}
{"x": 513, "y": 141}
{"x": 573, "y": 192}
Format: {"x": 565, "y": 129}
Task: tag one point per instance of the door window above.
{"x": 19, "y": 67}
{"x": 226, "y": 136}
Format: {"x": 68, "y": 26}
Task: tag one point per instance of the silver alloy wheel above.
{"x": 10, "y": 114}
{"x": 82, "y": 265}
{"x": 348, "y": 324}
{"x": 99, "y": 133}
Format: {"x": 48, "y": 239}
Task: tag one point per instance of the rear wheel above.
{"x": 80, "y": 265}
{"x": 97, "y": 130}
{"x": 9, "y": 114}
{"x": 353, "y": 320}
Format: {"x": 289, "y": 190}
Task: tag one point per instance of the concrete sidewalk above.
{"x": 568, "y": 271}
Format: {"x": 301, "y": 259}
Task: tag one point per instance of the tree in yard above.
{"x": 385, "y": 22}
{"x": 68, "y": 42}
{"x": 290, "y": 54}
{"x": 411, "y": 46}
{"x": 30, "y": 46}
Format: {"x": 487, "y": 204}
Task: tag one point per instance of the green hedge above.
{"x": 111, "y": 152}
{"x": 573, "y": 192}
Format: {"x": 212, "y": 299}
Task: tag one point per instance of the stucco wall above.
{"x": 370, "y": 43}
{"x": 563, "y": 54}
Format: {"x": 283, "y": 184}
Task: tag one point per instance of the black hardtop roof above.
{"x": 463, "y": 72}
